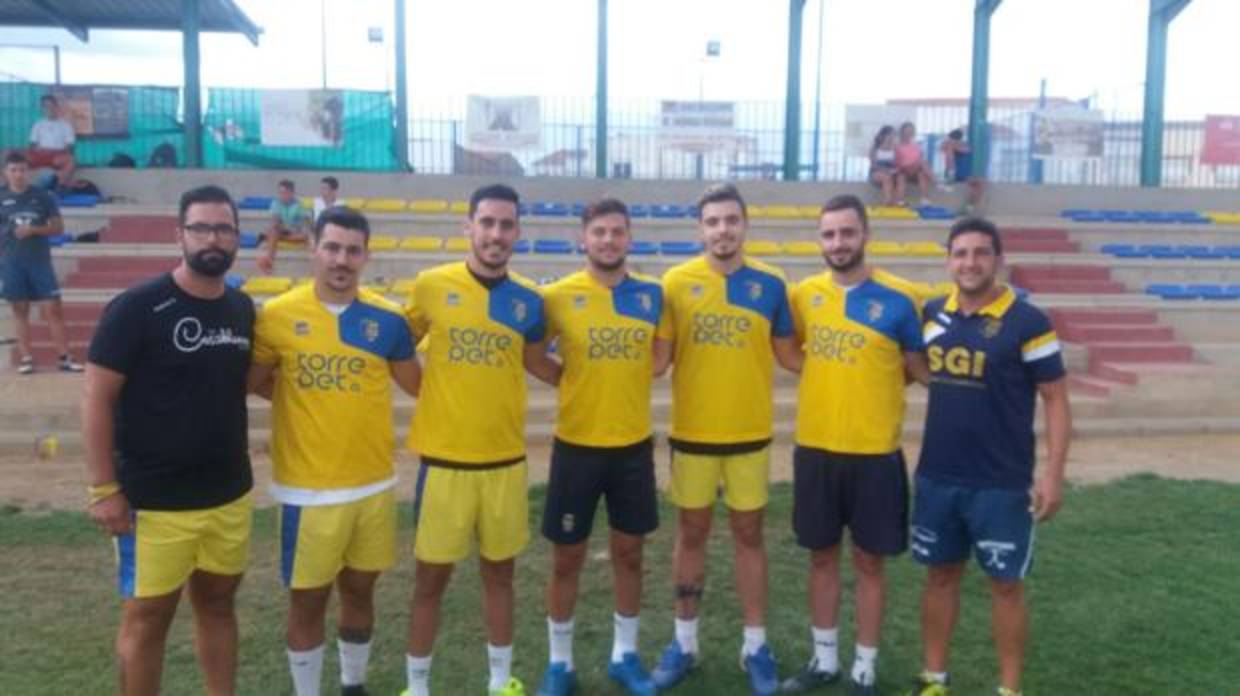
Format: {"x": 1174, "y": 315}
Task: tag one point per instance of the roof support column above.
{"x": 192, "y": 93}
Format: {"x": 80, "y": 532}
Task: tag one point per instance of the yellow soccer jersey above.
{"x": 471, "y": 407}
{"x": 332, "y": 406}
{"x": 851, "y": 396}
{"x": 604, "y": 337}
{"x": 723, "y": 365}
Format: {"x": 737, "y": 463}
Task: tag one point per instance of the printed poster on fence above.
{"x": 698, "y": 126}
{"x": 863, "y": 121}
{"x": 101, "y": 112}
{"x": 301, "y": 117}
{"x": 1222, "y": 145}
{"x": 502, "y": 124}
{"x": 1067, "y": 131}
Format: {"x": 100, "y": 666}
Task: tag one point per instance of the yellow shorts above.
{"x": 696, "y": 479}
{"x": 167, "y": 546}
{"x": 316, "y": 541}
{"x": 453, "y": 506}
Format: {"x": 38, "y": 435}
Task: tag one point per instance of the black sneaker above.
{"x": 353, "y": 690}
{"x": 808, "y": 679}
{"x": 863, "y": 689}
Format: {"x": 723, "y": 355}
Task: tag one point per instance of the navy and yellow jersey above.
{"x": 851, "y": 395}
{"x": 723, "y": 364}
{"x": 471, "y": 406}
{"x": 985, "y": 370}
{"x": 604, "y": 336}
{"x": 332, "y": 404}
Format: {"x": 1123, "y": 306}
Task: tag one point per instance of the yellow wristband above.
{"x": 103, "y": 490}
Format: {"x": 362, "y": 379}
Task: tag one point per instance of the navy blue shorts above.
{"x": 995, "y": 523}
{"x": 22, "y": 281}
{"x": 580, "y": 475}
{"x": 868, "y": 493}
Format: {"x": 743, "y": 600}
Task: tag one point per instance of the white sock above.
{"x": 624, "y": 636}
{"x": 306, "y": 666}
{"x": 560, "y": 638}
{"x": 353, "y": 660}
{"x": 936, "y": 677}
{"x": 686, "y": 635}
{"x": 418, "y": 674}
{"x": 501, "y": 665}
{"x": 755, "y": 638}
{"x": 826, "y": 649}
{"x": 863, "y": 665}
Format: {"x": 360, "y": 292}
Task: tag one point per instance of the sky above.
{"x": 872, "y": 50}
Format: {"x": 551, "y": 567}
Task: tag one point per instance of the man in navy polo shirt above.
{"x": 991, "y": 354}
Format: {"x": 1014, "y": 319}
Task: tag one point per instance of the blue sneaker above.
{"x": 558, "y": 680}
{"x": 760, "y": 666}
{"x": 673, "y": 665}
{"x": 630, "y": 674}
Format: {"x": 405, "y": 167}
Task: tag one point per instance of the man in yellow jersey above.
{"x": 484, "y": 327}
{"x": 860, "y": 331}
{"x": 604, "y": 318}
{"x": 332, "y": 351}
{"x": 725, "y": 319}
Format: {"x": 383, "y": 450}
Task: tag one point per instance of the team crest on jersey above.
{"x": 301, "y": 328}
{"x": 519, "y": 310}
{"x": 992, "y": 328}
{"x": 370, "y": 330}
{"x": 579, "y": 301}
{"x": 646, "y": 302}
{"x": 875, "y": 310}
{"x": 696, "y": 291}
{"x": 755, "y": 290}
{"x": 452, "y": 299}
{"x": 816, "y": 301}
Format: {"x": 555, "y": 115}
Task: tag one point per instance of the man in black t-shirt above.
{"x": 164, "y": 425}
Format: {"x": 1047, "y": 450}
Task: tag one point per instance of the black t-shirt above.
{"x": 181, "y": 426}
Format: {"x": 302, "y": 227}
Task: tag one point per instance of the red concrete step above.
{"x": 1075, "y": 287}
{"x": 1112, "y": 372}
{"x": 41, "y": 332}
{"x": 144, "y": 264}
{"x": 1063, "y": 316}
{"x": 1031, "y": 272}
{"x": 140, "y": 228}
{"x": 83, "y": 312}
{"x": 105, "y": 279}
{"x": 1090, "y": 386}
{"x": 1124, "y": 333}
{"x": 1139, "y": 352}
{"x": 1059, "y": 233}
{"x": 1040, "y": 246}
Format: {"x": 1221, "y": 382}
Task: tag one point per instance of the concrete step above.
{"x": 1025, "y": 272}
{"x": 1040, "y": 246}
{"x": 77, "y": 332}
{"x": 1123, "y": 333}
{"x": 1139, "y": 352}
{"x": 46, "y": 355}
{"x": 146, "y": 265}
{"x": 140, "y": 228}
{"x": 1089, "y": 385}
{"x": 105, "y": 279}
{"x": 82, "y": 311}
{"x": 1074, "y": 287}
{"x": 1065, "y": 315}
{"x": 1038, "y": 233}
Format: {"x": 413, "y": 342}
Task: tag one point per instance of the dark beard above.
{"x": 212, "y": 263}
{"x": 608, "y": 267}
{"x": 847, "y": 266}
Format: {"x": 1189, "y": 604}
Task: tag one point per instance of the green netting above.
{"x": 144, "y": 119}
{"x": 233, "y": 135}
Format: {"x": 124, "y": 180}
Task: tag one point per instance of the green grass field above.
{"x": 1134, "y": 591}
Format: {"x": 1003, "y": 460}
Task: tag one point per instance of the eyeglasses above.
{"x": 202, "y": 230}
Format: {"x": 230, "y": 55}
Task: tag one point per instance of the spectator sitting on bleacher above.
{"x": 290, "y": 222}
{"x": 329, "y": 187}
{"x": 911, "y": 164}
{"x": 51, "y": 143}
{"x": 958, "y": 168}
{"x": 883, "y": 163}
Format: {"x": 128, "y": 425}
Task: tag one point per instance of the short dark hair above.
{"x": 16, "y": 157}
{"x": 605, "y": 206}
{"x": 287, "y": 184}
{"x": 342, "y": 216}
{"x": 499, "y": 192}
{"x": 331, "y": 182}
{"x": 205, "y": 194}
{"x": 847, "y": 201}
{"x": 956, "y": 134}
{"x": 720, "y": 193}
{"x": 976, "y": 224}
{"x": 47, "y": 98}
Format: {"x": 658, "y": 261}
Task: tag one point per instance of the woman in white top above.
{"x": 883, "y": 163}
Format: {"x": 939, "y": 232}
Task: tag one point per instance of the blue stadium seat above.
{"x": 641, "y": 248}
{"x": 255, "y": 203}
{"x": 667, "y": 211}
{"x": 1210, "y": 291}
{"x": 522, "y": 246}
{"x": 59, "y": 239}
{"x": 638, "y": 210}
{"x": 234, "y": 281}
{"x": 248, "y": 240}
{"x": 680, "y": 248}
{"x": 1123, "y": 251}
{"x": 79, "y": 200}
{"x": 1120, "y": 216}
{"x": 1162, "y": 251}
{"x": 578, "y": 209}
{"x": 1072, "y": 213}
{"x": 1170, "y": 291}
{"x": 523, "y": 209}
{"x": 1201, "y": 251}
{"x": 551, "y": 209}
{"x": 934, "y": 212}
{"x": 1231, "y": 251}
{"x": 1190, "y": 217}
{"x": 554, "y": 246}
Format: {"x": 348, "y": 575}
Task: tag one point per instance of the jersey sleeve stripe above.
{"x": 932, "y": 331}
{"x": 1041, "y": 351}
{"x": 1038, "y": 341}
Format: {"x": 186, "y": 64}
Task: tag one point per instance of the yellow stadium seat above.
{"x": 924, "y": 249}
{"x": 755, "y": 211}
{"x": 428, "y": 206}
{"x": 308, "y": 202}
{"x": 801, "y": 248}
{"x": 761, "y": 247}
{"x": 421, "y": 243}
{"x": 383, "y": 242}
{"x": 461, "y": 207}
{"x": 303, "y": 282}
{"x": 378, "y": 285}
{"x": 355, "y": 202}
{"x": 880, "y": 247}
{"x": 456, "y": 244}
{"x": 891, "y": 212}
{"x": 266, "y": 285}
{"x": 1221, "y": 217}
{"x": 402, "y": 287}
{"x": 783, "y": 212}
{"x": 291, "y": 245}
{"x": 809, "y": 212}
{"x": 385, "y": 205}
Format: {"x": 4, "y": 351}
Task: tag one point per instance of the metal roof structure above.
{"x": 78, "y": 17}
